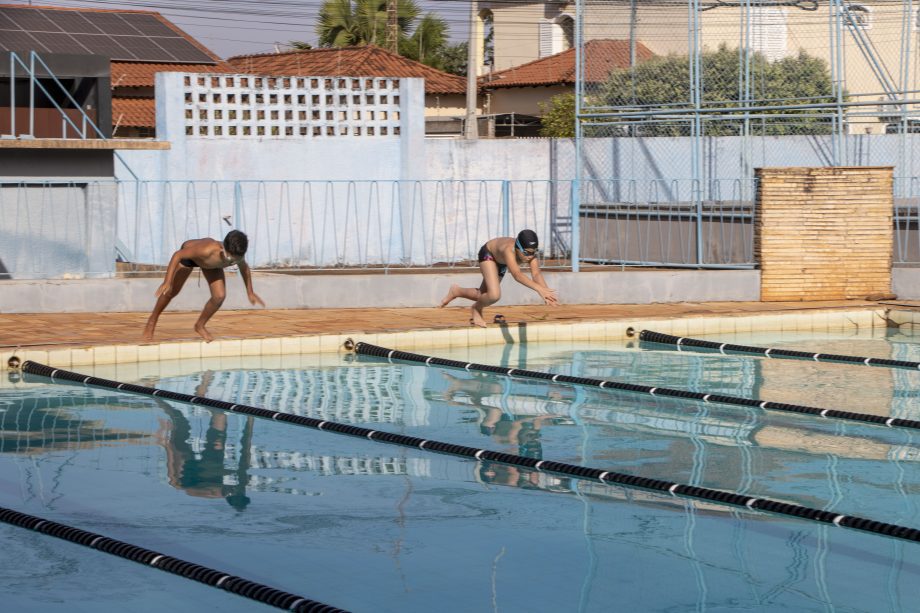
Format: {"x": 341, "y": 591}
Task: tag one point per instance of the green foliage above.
{"x": 664, "y": 82}
{"x": 300, "y": 45}
{"x": 453, "y": 58}
{"x": 559, "y": 116}
{"x": 345, "y": 23}
{"x": 426, "y": 42}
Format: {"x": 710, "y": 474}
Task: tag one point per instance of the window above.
{"x": 567, "y": 29}
{"x": 557, "y": 35}
{"x": 768, "y": 32}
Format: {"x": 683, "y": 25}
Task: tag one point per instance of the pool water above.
{"x": 367, "y": 526}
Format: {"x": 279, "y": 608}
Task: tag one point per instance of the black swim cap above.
{"x": 527, "y": 239}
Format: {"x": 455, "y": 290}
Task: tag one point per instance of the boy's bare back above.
{"x": 207, "y": 253}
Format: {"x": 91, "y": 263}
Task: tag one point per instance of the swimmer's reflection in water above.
{"x": 205, "y": 474}
{"x": 511, "y": 419}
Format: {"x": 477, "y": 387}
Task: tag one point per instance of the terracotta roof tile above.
{"x": 134, "y": 112}
{"x": 140, "y": 74}
{"x": 559, "y": 69}
{"x": 366, "y": 61}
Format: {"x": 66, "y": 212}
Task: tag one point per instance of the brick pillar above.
{"x": 824, "y": 233}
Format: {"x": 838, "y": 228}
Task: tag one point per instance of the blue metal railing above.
{"x": 86, "y": 121}
{"x": 54, "y": 229}
{"x": 334, "y": 224}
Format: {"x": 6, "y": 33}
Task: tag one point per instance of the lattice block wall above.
{"x": 247, "y": 106}
{"x": 824, "y": 233}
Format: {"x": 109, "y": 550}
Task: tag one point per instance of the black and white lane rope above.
{"x": 392, "y": 354}
{"x": 680, "y": 342}
{"x": 215, "y": 578}
{"x": 548, "y": 466}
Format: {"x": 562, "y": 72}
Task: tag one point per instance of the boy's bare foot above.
{"x": 148, "y": 333}
{"x": 203, "y": 333}
{"x": 476, "y": 318}
{"x": 451, "y": 294}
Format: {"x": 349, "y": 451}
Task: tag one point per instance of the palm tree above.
{"x": 428, "y": 40}
{"x": 344, "y": 23}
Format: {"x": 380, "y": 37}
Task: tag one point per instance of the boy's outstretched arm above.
{"x": 548, "y": 295}
{"x": 537, "y": 275}
{"x": 247, "y": 280}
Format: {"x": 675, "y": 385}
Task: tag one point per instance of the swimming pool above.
{"x": 373, "y": 527}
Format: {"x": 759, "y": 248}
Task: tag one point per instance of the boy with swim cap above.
{"x": 212, "y": 257}
{"x": 496, "y": 257}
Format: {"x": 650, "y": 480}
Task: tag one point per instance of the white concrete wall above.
{"x": 281, "y": 291}
{"x": 905, "y": 283}
{"x": 65, "y": 230}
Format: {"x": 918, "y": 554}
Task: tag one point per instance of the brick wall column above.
{"x": 824, "y": 233}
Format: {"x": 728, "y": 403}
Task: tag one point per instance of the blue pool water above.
{"x": 373, "y": 527}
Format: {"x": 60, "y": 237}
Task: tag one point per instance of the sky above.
{"x": 239, "y": 27}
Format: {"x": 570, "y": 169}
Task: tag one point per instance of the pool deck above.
{"x": 80, "y": 330}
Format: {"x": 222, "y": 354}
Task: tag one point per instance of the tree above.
{"x": 300, "y": 45}
{"x": 427, "y": 41}
{"x": 345, "y": 23}
{"x": 558, "y": 116}
{"x": 664, "y": 83}
{"x": 453, "y": 58}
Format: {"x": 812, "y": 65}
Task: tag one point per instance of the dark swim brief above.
{"x": 485, "y": 255}
{"x": 188, "y": 263}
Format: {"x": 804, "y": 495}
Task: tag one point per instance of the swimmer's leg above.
{"x": 455, "y": 291}
{"x": 163, "y": 301}
{"x": 218, "y": 287}
{"x": 489, "y": 292}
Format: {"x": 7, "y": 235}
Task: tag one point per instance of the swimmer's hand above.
{"x": 164, "y": 289}
{"x": 549, "y": 296}
{"x": 254, "y": 299}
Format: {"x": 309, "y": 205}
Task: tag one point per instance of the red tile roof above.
{"x": 134, "y": 112}
{"x": 140, "y": 74}
{"x": 601, "y": 56}
{"x": 366, "y": 61}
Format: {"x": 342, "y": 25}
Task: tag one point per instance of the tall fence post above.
{"x": 506, "y": 208}
{"x": 575, "y": 199}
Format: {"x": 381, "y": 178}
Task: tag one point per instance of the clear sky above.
{"x": 236, "y": 27}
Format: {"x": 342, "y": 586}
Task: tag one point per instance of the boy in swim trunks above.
{"x": 496, "y": 257}
{"x": 212, "y": 257}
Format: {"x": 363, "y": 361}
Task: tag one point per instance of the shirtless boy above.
{"x": 496, "y": 257}
{"x": 212, "y": 257}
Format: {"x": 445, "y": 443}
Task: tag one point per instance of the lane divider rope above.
{"x": 547, "y": 466}
{"x": 650, "y": 336}
{"x": 390, "y": 354}
{"x": 202, "y": 574}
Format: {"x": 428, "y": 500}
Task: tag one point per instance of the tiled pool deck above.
{"x": 69, "y": 340}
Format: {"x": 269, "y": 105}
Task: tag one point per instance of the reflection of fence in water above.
{"x": 372, "y": 394}
{"x": 40, "y": 422}
{"x": 734, "y": 377}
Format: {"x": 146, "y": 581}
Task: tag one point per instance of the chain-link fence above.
{"x": 704, "y": 91}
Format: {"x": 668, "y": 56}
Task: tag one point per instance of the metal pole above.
{"x": 696, "y": 95}
{"x": 32, "y": 98}
{"x": 575, "y": 194}
{"x": 12, "y": 94}
{"x": 839, "y": 81}
{"x": 471, "y": 129}
{"x": 506, "y": 208}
